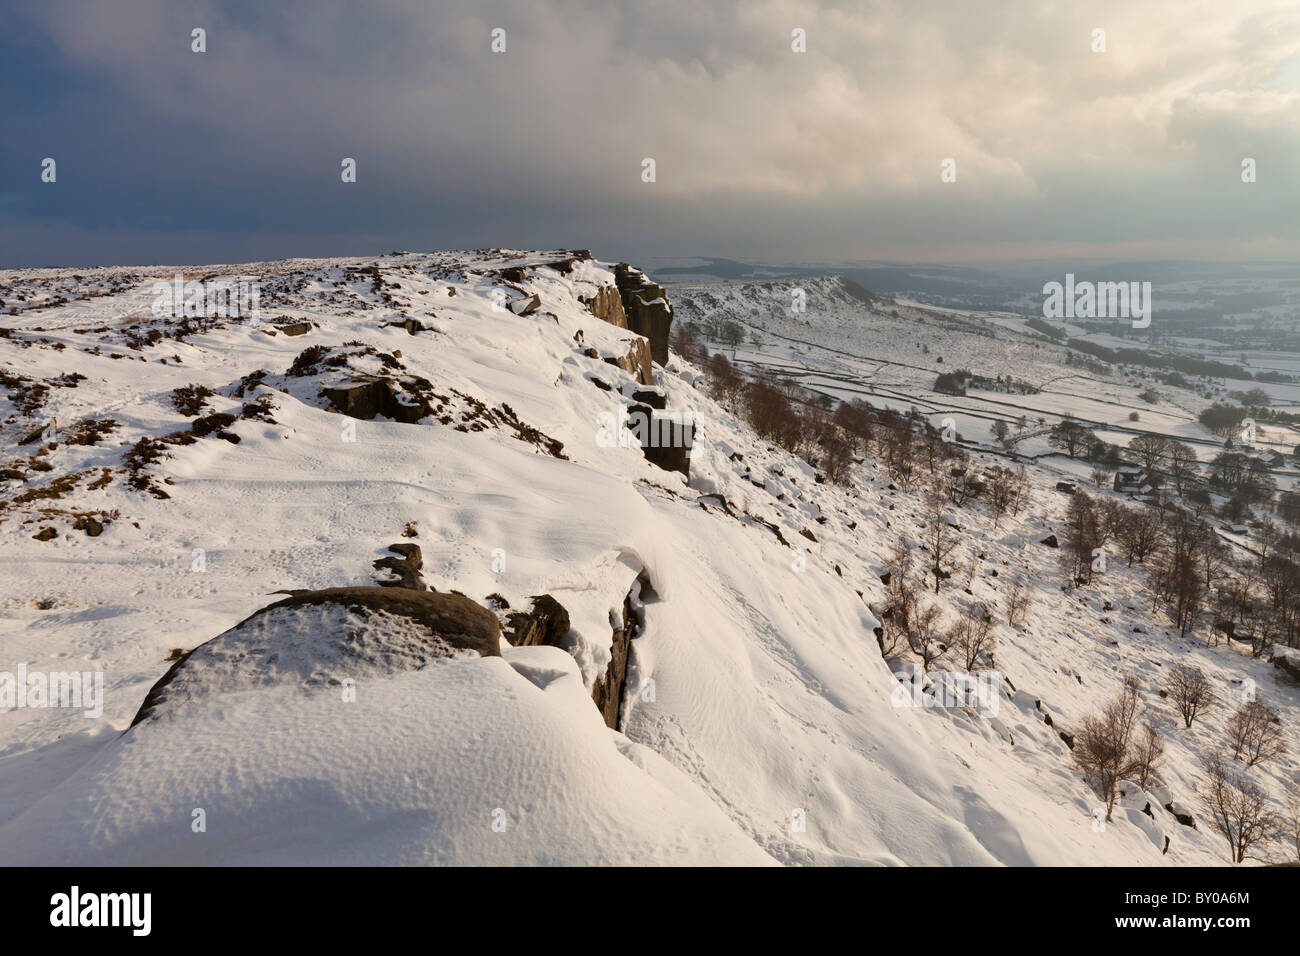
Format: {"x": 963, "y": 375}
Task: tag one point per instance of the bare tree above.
{"x": 1082, "y": 537}
{"x": 924, "y": 635}
{"x": 1103, "y": 748}
{"x": 732, "y": 333}
{"x": 896, "y": 619}
{"x": 940, "y": 537}
{"x": 972, "y": 635}
{"x": 1254, "y": 734}
{"x": 1183, "y": 465}
{"x": 837, "y": 456}
{"x": 1001, "y": 491}
{"x": 1139, "y": 532}
{"x": 1146, "y": 754}
{"x": 1017, "y": 603}
{"x": 1150, "y": 451}
{"x": 1238, "y": 808}
{"x": 896, "y": 443}
{"x": 1022, "y": 490}
{"x": 1190, "y": 690}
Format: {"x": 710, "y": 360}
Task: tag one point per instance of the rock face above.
{"x": 315, "y": 639}
{"x": 545, "y": 623}
{"x": 645, "y": 304}
{"x": 368, "y": 399}
{"x": 665, "y": 438}
{"x": 636, "y": 362}
{"x": 607, "y": 305}
{"x": 608, "y": 691}
{"x": 654, "y": 397}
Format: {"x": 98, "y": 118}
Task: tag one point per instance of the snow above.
{"x": 760, "y": 724}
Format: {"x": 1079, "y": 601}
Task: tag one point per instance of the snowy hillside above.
{"x": 890, "y": 353}
{"x": 624, "y": 657}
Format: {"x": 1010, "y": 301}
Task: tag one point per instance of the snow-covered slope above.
{"x": 760, "y": 722}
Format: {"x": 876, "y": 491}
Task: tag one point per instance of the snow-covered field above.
{"x": 889, "y": 353}
{"x": 761, "y": 724}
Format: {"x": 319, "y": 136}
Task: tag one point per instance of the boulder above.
{"x": 313, "y": 640}
{"x": 527, "y": 305}
{"x": 544, "y": 624}
{"x": 406, "y": 566}
{"x": 367, "y": 399}
{"x": 1050, "y": 541}
{"x": 654, "y": 397}
{"x": 89, "y": 524}
{"x": 665, "y": 439}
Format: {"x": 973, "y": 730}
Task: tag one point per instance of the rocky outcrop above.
{"x": 637, "y": 304}
{"x": 607, "y": 305}
{"x": 315, "y": 639}
{"x": 369, "y": 399}
{"x": 645, "y": 305}
{"x": 527, "y": 305}
{"x": 545, "y": 623}
{"x": 653, "y": 396}
{"x": 636, "y": 362}
{"x": 666, "y": 438}
{"x": 608, "y": 691}
{"x": 406, "y": 566}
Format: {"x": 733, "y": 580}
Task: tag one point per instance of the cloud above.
{"x": 835, "y": 151}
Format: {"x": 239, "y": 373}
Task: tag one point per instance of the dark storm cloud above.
{"x": 165, "y": 155}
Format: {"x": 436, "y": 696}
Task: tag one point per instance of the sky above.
{"x": 761, "y": 152}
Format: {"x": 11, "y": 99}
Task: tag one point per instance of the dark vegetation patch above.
{"x": 216, "y": 424}
{"x": 190, "y": 400}
{"x": 52, "y": 490}
{"x": 88, "y": 431}
{"x": 29, "y": 395}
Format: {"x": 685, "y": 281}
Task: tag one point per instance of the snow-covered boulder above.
{"x": 314, "y": 640}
